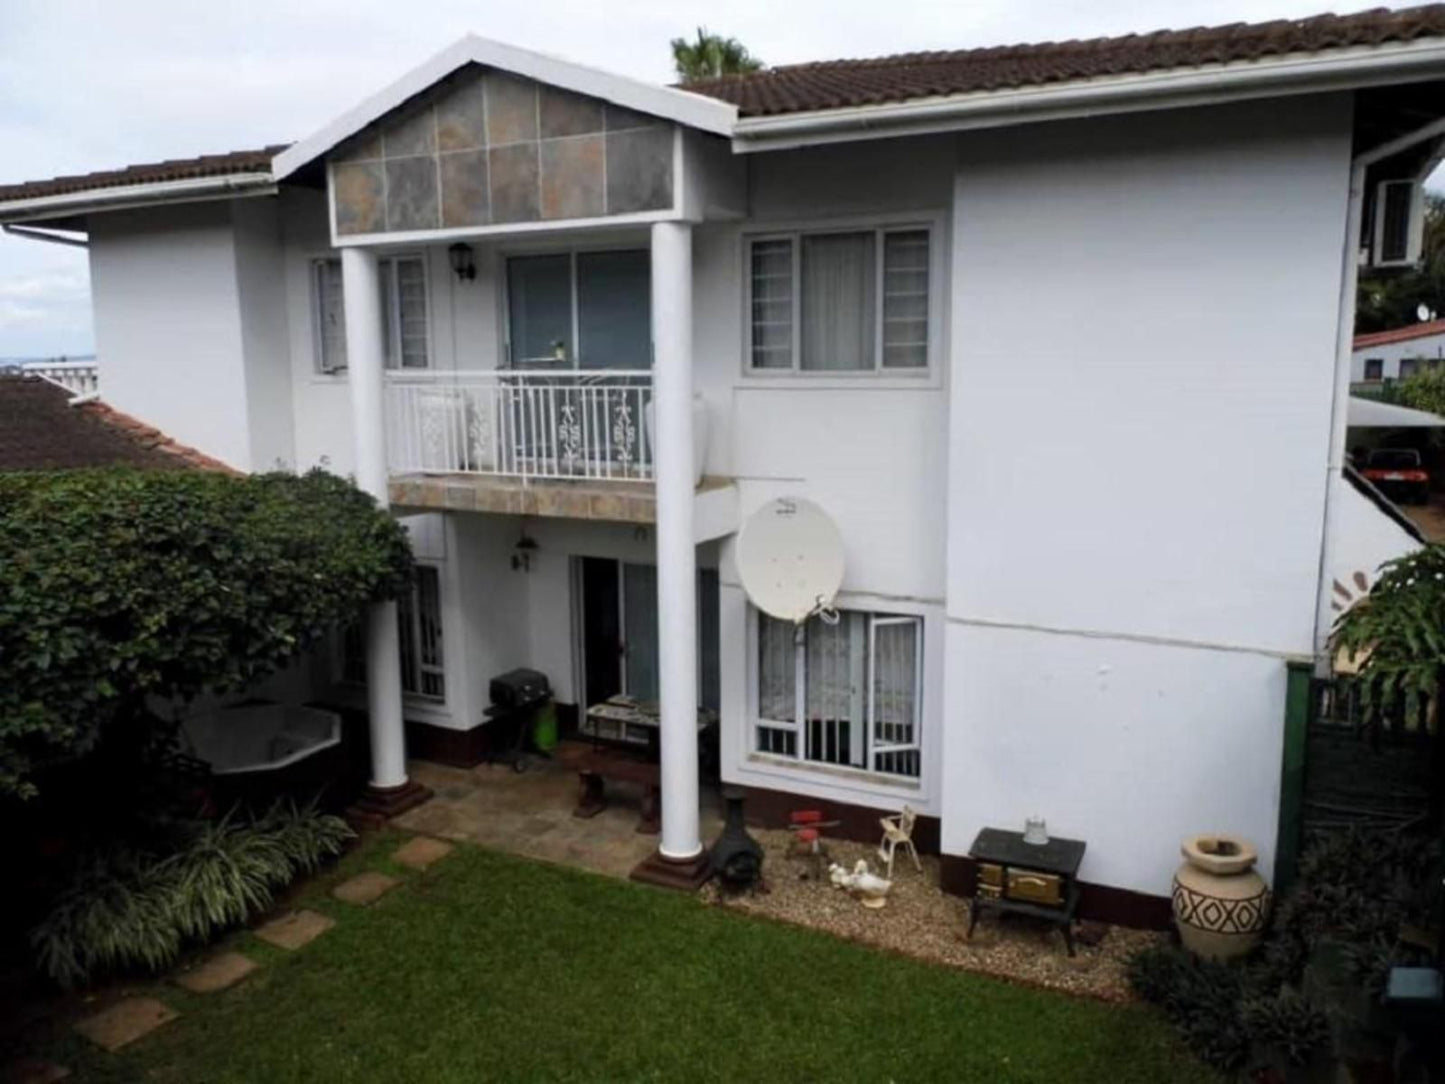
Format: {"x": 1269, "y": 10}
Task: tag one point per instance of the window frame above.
{"x": 1378, "y": 364}
{"x": 572, "y": 252}
{"x": 880, "y": 225}
{"x": 798, "y": 727}
{"x": 391, "y": 293}
{"x": 352, "y": 671}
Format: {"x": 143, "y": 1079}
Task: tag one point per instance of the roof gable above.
{"x": 668, "y": 103}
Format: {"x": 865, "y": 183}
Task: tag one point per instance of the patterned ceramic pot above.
{"x": 1221, "y": 905}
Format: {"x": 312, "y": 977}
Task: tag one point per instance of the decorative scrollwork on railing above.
{"x": 624, "y": 432}
{"x": 569, "y": 433}
{"x": 479, "y": 434}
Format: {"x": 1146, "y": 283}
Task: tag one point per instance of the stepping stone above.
{"x": 364, "y": 888}
{"x": 33, "y": 1071}
{"x": 294, "y": 930}
{"x": 125, "y": 1022}
{"x": 217, "y": 973}
{"x": 419, "y": 852}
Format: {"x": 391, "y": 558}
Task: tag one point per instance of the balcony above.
{"x": 575, "y": 426}
{"x": 573, "y": 444}
{"x": 80, "y": 378}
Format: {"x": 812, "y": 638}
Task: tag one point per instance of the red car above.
{"x": 1398, "y": 474}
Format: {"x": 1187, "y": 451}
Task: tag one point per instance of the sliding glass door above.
{"x": 580, "y": 311}
{"x": 619, "y": 639}
{"x": 585, "y": 320}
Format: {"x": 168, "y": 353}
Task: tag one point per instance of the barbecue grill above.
{"x": 516, "y": 696}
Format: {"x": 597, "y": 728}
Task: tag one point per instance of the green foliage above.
{"x": 1286, "y": 1022}
{"x": 711, "y": 56}
{"x": 117, "y": 585}
{"x": 1424, "y": 389}
{"x": 1202, "y": 998}
{"x": 1389, "y": 298}
{"x": 1400, "y": 631}
{"x": 133, "y": 910}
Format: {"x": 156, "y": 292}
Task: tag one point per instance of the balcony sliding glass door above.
{"x": 574, "y": 314}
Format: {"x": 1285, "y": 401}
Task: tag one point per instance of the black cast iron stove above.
{"x": 737, "y": 858}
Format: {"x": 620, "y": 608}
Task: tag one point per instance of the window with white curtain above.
{"x": 419, "y": 636}
{"x": 403, "y": 313}
{"x": 848, "y": 693}
{"x": 840, "y": 301}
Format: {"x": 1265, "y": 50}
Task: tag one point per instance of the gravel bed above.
{"x": 921, "y": 920}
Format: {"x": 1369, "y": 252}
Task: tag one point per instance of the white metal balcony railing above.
{"x": 77, "y": 377}
{"x": 569, "y": 425}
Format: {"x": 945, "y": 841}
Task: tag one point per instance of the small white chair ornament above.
{"x": 898, "y": 830}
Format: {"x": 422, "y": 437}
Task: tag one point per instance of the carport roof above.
{"x": 1373, "y": 414}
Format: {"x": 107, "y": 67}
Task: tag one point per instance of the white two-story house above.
{"x": 579, "y": 328}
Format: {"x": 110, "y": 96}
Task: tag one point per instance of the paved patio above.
{"x": 530, "y": 813}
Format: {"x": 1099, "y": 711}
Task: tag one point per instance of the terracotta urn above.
{"x": 1221, "y": 905}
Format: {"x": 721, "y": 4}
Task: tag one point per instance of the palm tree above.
{"x": 710, "y": 56}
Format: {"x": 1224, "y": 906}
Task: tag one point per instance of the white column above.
{"x": 676, "y": 552}
{"x": 365, "y": 371}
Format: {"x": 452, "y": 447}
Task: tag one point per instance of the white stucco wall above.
{"x": 191, "y": 327}
{"x": 1134, "y": 535}
{"x": 261, "y": 286}
{"x": 1428, "y": 347}
{"x": 871, "y": 450}
{"x": 168, "y": 324}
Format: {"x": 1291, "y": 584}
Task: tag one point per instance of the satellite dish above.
{"x": 790, "y": 559}
{"x": 1423, "y": 312}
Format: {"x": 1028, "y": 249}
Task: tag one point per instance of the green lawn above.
{"x": 489, "y": 967}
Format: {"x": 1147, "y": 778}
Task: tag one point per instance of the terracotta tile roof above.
{"x": 177, "y": 169}
{"x": 838, "y": 84}
{"x": 41, "y": 430}
{"x": 1422, "y": 330}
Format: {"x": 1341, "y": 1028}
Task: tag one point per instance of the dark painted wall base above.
{"x": 958, "y": 875}
{"x": 468, "y": 748}
{"x": 770, "y": 809}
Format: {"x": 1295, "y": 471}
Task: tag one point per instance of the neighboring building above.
{"x": 1394, "y": 354}
{"x": 927, "y": 293}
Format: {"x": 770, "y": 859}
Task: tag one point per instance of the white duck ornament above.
{"x": 867, "y": 887}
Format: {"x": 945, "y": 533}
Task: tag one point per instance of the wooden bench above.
{"x": 595, "y": 766}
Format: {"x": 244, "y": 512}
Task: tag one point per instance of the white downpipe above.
{"x": 366, "y": 367}
{"x": 1344, "y": 349}
{"x": 676, "y": 552}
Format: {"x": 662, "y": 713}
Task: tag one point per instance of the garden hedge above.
{"x": 117, "y": 585}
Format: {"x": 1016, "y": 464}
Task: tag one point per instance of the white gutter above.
{"x": 138, "y": 195}
{"x": 32, "y": 234}
{"x": 1300, "y": 73}
{"x": 1344, "y": 349}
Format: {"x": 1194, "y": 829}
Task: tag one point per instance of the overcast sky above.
{"x": 93, "y": 85}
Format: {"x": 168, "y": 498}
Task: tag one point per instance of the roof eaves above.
{"x": 1298, "y": 73}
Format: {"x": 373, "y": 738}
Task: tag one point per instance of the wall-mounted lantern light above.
{"x": 522, "y": 553}
{"x": 463, "y": 262}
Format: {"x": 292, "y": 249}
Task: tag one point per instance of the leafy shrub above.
{"x": 1287, "y": 1022}
{"x": 117, "y": 585}
{"x": 1201, "y": 998}
{"x": 1424, "y": 389}
{"x": 130, "y": 910}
